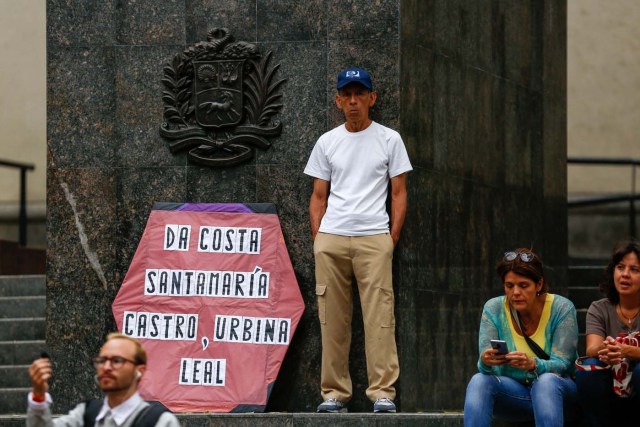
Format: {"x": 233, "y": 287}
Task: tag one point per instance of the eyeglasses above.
{"x": 524, "y": 256}
{"x": 116, "y": 361}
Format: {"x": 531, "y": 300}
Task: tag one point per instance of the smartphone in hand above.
{"x": 499, "y": 345}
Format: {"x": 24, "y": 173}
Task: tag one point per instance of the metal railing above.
{"x": 631, "y": 197}
{"x": 22, "y": 216}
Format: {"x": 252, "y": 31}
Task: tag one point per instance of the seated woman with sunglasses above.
{"x": 533, "y": 379}
{"x": 607, "y": 319}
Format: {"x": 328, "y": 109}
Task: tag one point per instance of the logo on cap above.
{"x": 354, "y": 75}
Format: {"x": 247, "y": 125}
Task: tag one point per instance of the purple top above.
{"x": 215, "y": 207}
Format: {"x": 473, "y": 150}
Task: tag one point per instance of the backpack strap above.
{"x": 91, "y": 410}
{"x": 149, "y": 416}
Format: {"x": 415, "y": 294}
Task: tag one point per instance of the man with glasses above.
{"x": 119, "y": 368}
{"x": 352, "y": 166}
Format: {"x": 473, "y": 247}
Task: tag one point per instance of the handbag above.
{"x": 580, "y": 366}
{"x": 621, "y": 372}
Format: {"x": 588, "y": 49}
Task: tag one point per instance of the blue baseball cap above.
{"x": 354, "y": 75}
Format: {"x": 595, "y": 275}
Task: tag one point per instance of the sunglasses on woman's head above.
{"x": 524, "y": 256}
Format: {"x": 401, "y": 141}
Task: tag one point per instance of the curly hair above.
{"x": 532, "y": 269}
{"x": 622, "y": 249}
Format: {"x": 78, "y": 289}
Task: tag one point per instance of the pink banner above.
{"x": 214, "y": 300}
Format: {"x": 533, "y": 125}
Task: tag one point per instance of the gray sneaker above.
{"x": 384, "y": 404}
{"x": 332, "y": 405}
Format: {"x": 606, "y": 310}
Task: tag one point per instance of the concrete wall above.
{"x": 603, "y": 101}
{"x": 476, "y": 88}
{"x": 603, "y": 118}
{"x": 23, "y": 114}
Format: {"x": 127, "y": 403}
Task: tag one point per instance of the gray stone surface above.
{"x": 22, "y": 306}
{"x": 292, "y": 21}
{"x": 139, "y": 108}
{"x": 352, "y": 20}
{"x": 305, "y": 109}
{"x": 290, "y": 191}
{"x": 239, "y": 16}
{"x": 595, "y": 230}
{"x": 21, "y": 352}
{"x": 137, "y": 190}
{"x": 300, "y": 420}
{"x": 482, "y": 112}
{"x": 22, "y": 334}
{"x": 27, "y": 328}
{"x": 11, "y": 399}
{"x": 80, "y": 106}
{"x": 81, "y": 271}
{"x": 477, "y": 89}
{"x": 80, "y": 23}
{"x": 14, "y": 376}
{"x": 148, "y": 22}
{"x": 26, "y": 285}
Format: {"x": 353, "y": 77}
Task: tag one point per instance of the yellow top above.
{"x": 538, "y": 335}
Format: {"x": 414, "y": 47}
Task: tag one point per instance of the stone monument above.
{"x": 476, "y": 88}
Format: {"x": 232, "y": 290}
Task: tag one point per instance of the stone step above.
{"x": 582, "y": 344}
{"x": 20, "y": 352}
{"x": 23, "y": 306}
{"x": 585, "y": 275}
{"x": 583, "y": 296}
{"x": 28, "y": 328}
{"x": 582, "y": 319}
{"x": 423, "y": 419}
{"x": 14, "y": 376}
{"x": 13, "y": 400}
{"x": 303, "y": 420}
{"x": 12, "y": 420}
{"x": 28, "y": 285}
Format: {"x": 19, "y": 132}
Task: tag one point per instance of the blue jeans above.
{"x": 545, "y": 400}
{"x": 601, "y": 406}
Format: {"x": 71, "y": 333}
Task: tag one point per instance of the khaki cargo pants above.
{"x": 368, "y": 258}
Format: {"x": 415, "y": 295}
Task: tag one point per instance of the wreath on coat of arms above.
{"x": 219, "y": 100}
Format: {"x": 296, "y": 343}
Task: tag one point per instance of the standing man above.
{"x": 119, "y": 368}
{"x": 352, "y": 166}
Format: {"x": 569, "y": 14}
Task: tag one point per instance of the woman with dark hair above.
{"x": 531, "y": 378}
{"x": 608, "y": 318}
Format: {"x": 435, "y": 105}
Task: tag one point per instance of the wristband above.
{"x": 38, "y": 399}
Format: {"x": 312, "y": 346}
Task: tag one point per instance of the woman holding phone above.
{"x": 532, "y": 381}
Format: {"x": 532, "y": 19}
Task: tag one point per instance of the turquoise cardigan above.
{"x": 561, "y": 339}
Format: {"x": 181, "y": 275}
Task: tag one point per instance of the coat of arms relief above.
{"x": 219, "y": 99}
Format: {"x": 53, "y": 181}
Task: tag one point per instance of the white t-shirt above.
{"x": 359, "y": 166}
